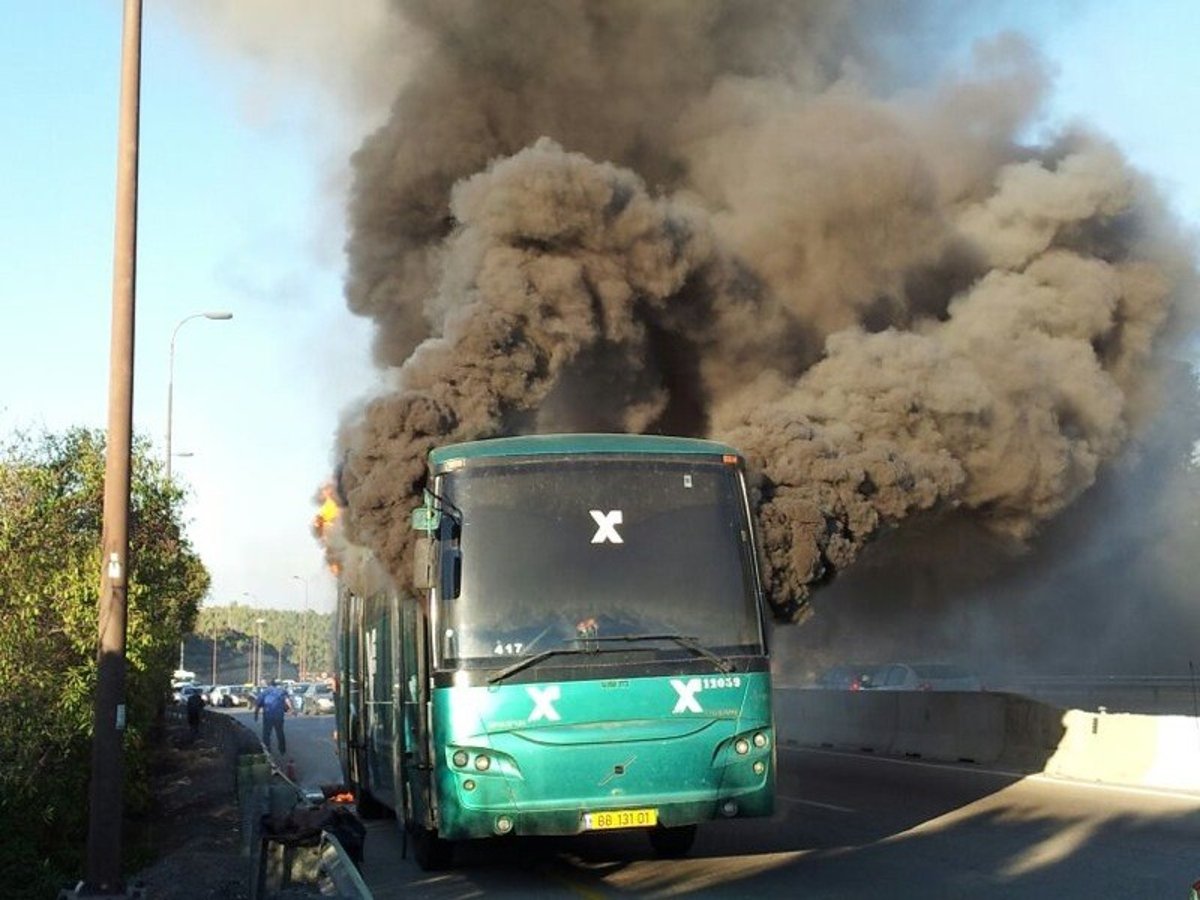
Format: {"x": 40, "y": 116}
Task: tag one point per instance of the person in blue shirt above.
{"x": 274, "y": 704}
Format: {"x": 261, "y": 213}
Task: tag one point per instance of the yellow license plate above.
{"x": 620, "y": 818}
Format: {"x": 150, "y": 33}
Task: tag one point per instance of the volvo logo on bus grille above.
{"x": 617, "y": 770}
{"x": 606, "y": 526}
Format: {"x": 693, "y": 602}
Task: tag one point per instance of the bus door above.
{"x": 352, "y": 686}
{"x": 408, "y": 690}
{"x": 378, "y": 680}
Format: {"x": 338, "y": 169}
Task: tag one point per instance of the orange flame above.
{"x": 328, "y": 511}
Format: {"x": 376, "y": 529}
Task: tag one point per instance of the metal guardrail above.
{"x": 1176, "y": 681}
{"x": 339, "y": 869}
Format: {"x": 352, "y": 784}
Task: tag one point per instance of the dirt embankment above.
{"x": 193, "y": 831}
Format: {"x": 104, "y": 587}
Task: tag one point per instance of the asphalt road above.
{"x": 311, "y": 750}
{"x": 846, "y": 826}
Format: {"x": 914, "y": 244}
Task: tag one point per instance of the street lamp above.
{"x": 258, "y": 655}
{"x": 219, "y": 316}
{"x": 303, "y": 629}
{"x": 250, "y": 673}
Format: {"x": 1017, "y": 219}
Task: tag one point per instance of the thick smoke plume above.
{"x": 714, "y": 219}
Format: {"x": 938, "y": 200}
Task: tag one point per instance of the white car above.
{"x": 186, "y": 690}
{"x": 316, "y": 698}
{"x": 297, "y": 694}
{"x": 228, "y": 695}
{"x": 926, "y": 677}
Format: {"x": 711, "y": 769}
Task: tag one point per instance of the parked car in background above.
{"x": 228, "y": 695}
{"x": 186, "y": 690}
{"x": 297, "y": 694}
{"x": 318, "y": 699}
{"x": 926, "y": 677}
{"x": 848, "y": 678}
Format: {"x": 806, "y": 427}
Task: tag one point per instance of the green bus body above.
{"x": 587, "y": 650}
{"x": 614, "y": 745}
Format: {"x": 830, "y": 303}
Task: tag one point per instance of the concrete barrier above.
{"x": 1032, "y": 732}
{"x": 1004, "y": 730}
{"x": 1149, "y": 751}
{"x": 868, "y": 723}
{"x": 953, "y": 726}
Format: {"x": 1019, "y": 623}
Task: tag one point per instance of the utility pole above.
{"x": 105, "y": 809}
{"x": 258, "y": 666}
{"x": 303, "y": 669}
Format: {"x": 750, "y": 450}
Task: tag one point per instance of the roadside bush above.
{"x": 51, "y": 513}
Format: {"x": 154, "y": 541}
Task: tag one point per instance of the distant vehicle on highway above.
{"x": 926, "y": 677}
{"x": 848, "y": 678}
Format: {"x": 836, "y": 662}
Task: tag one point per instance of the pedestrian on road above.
{"x": 273, "y": 703}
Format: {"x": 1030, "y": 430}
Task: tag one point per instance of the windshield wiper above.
{"x": 689, "y": 643}
{"x": 497, "y": 677}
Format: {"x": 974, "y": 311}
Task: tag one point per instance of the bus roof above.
{"x": 559, "y": 444}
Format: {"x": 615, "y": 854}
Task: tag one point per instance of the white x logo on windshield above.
{"x": 686, "y": 690}
{"x": 606, "y": 526}
{"x": 543, "y": 703}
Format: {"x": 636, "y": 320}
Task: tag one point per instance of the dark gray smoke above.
{"x": 714, "y": 218}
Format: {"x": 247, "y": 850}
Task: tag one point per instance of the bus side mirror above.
{"x": 426, "y": 519}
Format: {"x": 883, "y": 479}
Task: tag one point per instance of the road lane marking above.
{"x": 571, "y": 884}
{"x": 844, "y": 809}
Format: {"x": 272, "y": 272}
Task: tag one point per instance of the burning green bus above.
{"x": 586, "y": 651}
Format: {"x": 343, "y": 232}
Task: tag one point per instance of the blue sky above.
{"x": 239, "y": 212}
{"x": 230, "y": 218}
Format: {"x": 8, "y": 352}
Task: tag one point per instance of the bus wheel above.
{"x": 430, "y": 851}
{"x": 672, "y": 843}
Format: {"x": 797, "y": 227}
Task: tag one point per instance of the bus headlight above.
{"x": 482, "y": 762}
{"x": 460, "y": 758}
{"x": 760, "y": 739}
{"x": 741, "y": 746}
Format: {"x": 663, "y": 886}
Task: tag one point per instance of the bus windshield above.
{"x": 550, "y": 552}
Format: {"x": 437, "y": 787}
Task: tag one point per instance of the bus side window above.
{"x": 423, "y": 563}
{"x": 451, "y": 559}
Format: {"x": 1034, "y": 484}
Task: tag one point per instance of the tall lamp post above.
{"x": 258, "y": 655}
{"x": 250, "y": 673}
{"x": 303, "y": 629}
{"x": 219, "y": 316}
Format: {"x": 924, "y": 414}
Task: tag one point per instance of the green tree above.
{"x": 51, "y": 512}
{"x": 298, "y": 635}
